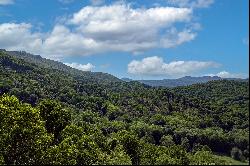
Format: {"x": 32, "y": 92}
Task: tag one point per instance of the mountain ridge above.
{"x": 107, "y": 109}
{"x": 52, "y": 64}
{"x": 183, "y": 81}
{"x": 48, "y": 63}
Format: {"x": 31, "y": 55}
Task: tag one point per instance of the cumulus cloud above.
{"x": 62, "y": 42}
{"x": 191, "y": 3}
{"x": 6, "y": 2}
{"x": 19, "y": 37}
{"x": 155, "y": 65}
{"x": 87, "y": 67}
{"x": 98, "y": 29}
{"x": 175, "y": 38}
{"x": 57, "y": 44}
{"x": 225, "y": 74}
{"x": 110, "y": 23}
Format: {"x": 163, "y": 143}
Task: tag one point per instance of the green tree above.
{"x": 131, "y": 145}
{"x": 185, "y": 143}
{"x": 23, "y": 137}
{"x": 167, "y": 140}
{"x": 174, "y": 155}
{"x": 118, "y": 157}
{"x": 55, "y": 116}
{"x": 236, "y": 154}
{"x": 205, "y": 158}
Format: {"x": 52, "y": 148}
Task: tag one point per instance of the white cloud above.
{"x": 62, "y": 42}
{"x": 97, "y": 2}
{"x": 119, "y": 27}
{"x": 154, "y": 66}
{"x": 93, "y": 30}
{"x": 19, "y": 37}
{"x": 191, "y": 3}
{"x": 87, "y": 67}
{"x": 121, "y": 19}
{"x": 57, "y": 44}
{"x": 225, "y": 74}
{"x": 175, "y": 38}
{"x": 6, "y": 2}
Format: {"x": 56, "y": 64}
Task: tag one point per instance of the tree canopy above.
{"x": 52, "y": 114}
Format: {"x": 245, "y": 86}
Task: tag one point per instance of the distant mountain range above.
{"x": 105, "y": 77}
{"x": 184, "y": 81}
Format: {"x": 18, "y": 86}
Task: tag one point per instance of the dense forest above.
{"x": 53, "y": 114}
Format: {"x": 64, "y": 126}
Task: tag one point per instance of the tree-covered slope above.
{"x": 51, "y": 64}
{"x": 226, "y": 99}
{"x": 80, "y": 117}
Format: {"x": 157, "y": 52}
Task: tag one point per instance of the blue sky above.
{"x": 141, "y": 39}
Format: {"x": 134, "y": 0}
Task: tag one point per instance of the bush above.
{"x": 236, "y": 154}
{"x": 167, "y": 140}
{"x": 205, "y": 158}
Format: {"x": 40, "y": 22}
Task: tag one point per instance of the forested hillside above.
{"x": 53, "y": 114}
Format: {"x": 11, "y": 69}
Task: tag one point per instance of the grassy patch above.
{"x": 231, "y": 161}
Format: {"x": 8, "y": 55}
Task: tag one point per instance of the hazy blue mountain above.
{"x": 126, "y": 79}
{"x": 183, "y": 81}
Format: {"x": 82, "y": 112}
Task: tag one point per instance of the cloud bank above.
{"x": 225, "y": 74}
{"x": 99, "y": 29}
{"x": 87, "y": 67}
{"x": 19, "y": 37}
{"x": 153, "y": 66}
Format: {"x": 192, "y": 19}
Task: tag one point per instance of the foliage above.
{"x": 205, "y": 158}
{"x": 23, "y": 137}
{"x": 236, "y": 154}
{"x": 65, "y": 116}
{"x": 54, "y": 115}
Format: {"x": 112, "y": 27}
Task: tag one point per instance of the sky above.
{"x": 141, "y": 39}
